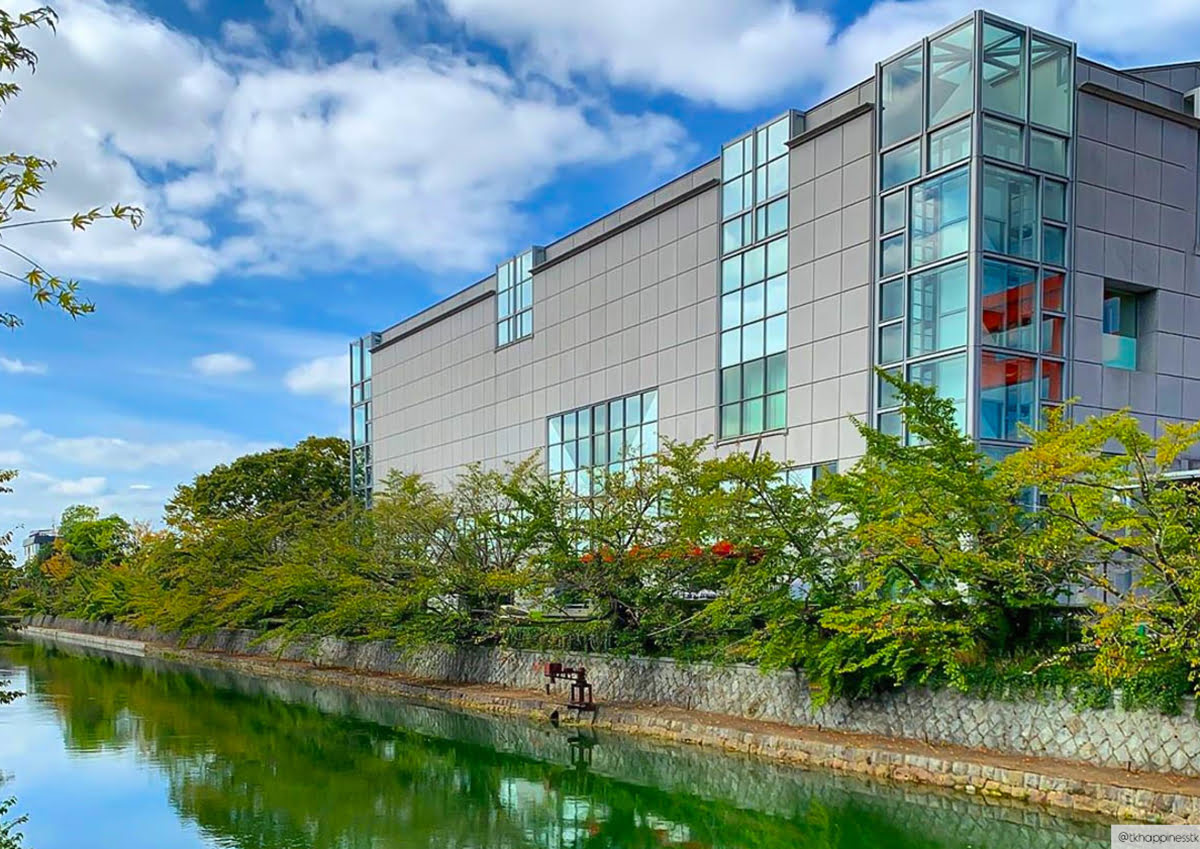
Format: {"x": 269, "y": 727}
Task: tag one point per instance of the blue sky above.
{"x": 314, "y": 169}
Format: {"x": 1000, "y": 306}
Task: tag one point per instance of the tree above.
{"x": 312, "y": 477}
{"x": 91, "y": 540}
{"x": 1108, "y": 502}
{"x": 23, "y": 179}
{"x": 934, "y": 548}
{"x": 76, "y": 514}
{"x": 10, "y": 838}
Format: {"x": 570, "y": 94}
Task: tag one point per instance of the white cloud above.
{"x": 740, "y": 55}
{"x": 21, "y": 367}
{"x": 419, "y": 158}
{"x": 9, "y": 420}
{"x": 733, "y": 54}
{"x": 116, "y": 453}
{"x": 322, "y": 172}
{"x": 81, "y": 487}
{"x": 123, "y": 474}
{"x": 222, "y": 365}
{"x": 326, "y": 377}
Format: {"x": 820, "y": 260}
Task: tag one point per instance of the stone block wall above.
{"x": 1139, "y": 739}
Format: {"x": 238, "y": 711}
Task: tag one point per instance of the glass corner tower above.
{"x": 973, "y": 255}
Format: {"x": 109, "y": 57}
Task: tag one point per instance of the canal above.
{"x": 112, "y": 751}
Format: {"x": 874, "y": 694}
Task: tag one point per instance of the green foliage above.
{"x": 932, "y": 546}
{"x": 10, "y": 838}
{"x": 92, "y": 540}
{"x": 310, "y": 477}
{"x": 23, "y": 179}
{"x": 1117, "y": 511}
{"x": 922, "y": 564}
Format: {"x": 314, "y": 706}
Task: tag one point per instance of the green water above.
{"x": 108, "y": 751}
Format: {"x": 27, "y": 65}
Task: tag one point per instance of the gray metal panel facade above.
{"x": 829, "y": 336}
{"x": 1135, "y": 227}
{"x": 620, "y": 309}
{"x": 635, "y": 311}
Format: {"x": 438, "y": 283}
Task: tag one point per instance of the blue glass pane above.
{"x": 940, "y": 216}
{"x": 937, "y": 310}
{"x": 901, "y": 88}
{"x": 901, "y": 165}
{"x": 1119, "y": 351}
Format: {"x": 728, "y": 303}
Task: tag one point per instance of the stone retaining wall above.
{"x": 1139, "y": 740}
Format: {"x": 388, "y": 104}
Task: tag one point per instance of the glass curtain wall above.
{"x": 360, "y": 415}
{"x": 615, "y": 435}
{"x": 975, "y": 167}
{"x": 927, "y": 101}
{"x": 1027, "y": 104}
{"x": 754, "y": 287}
{"x": 514, "y": 296}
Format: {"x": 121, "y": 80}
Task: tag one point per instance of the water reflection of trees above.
{"x": 257, "y": 772}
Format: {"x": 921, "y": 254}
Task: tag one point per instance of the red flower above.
{"x": 724, "y": 548}
{"x": 587, "y": 557}
{"x": 695, "y": 551}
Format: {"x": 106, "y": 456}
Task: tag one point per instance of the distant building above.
{"x": 37, "y": 539}
{"x": 988, "y": 214}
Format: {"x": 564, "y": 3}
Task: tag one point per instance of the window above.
{"x": 1053, "y": 333}
{"x": 773, "y": 218}
{"x": 888, "y": 395}
{"x": 358, "y": 424}
{"x": 753, "y": 380}
{"x": 949, "y": 145}
{"x": 1052, "y": 291}
{"x": 1006, "y": 397}
{"x": 360, "y": 414}
{"x": 613, "y": 436}
{"x": 901, "y": 165}
{"x": 891, "y": 259}
{"x": 1051, "y": 74}
{"x": 1008, "y": 305}
{"x": 360, "y": 470}
{"x": 948, "y": 376}
{"x": 1054, "y": 200}
{"x": 803, "y": 477}
{"x": 1003, "y": 70}
{"x": 754, "y": 170}
{"x": 951, "y": 74}
{"x": 901, "y": 84}
{"x": 754, "y": 396}
{"x": 514, "y": 297}
{"x": 1120, "y": 317}
{"x": 1047, "y": 152}
{"x": 1054, "y": 244}
{"x": 737, "y": 195}
{"x": 890, "y": 424}
{"x": 940, "y": 216}
{"x": 737, "y": 159}
{"x": 893, "y": 212}
{"x": 1009, "y": 212}
{"x": 1052, "y": 381}
{"x": 736, "y": 233}
{"x": 937, "y": 310}
{"x": 891, "y": 300}
{"x": 891, "y": 343}
{"x": 1004, "y": 140}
